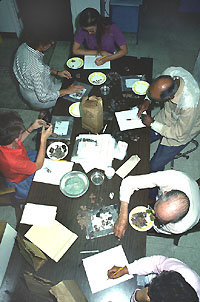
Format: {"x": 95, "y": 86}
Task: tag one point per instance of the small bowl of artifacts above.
{"x": 142, "y": 218}
{"x": 57, "y": 150}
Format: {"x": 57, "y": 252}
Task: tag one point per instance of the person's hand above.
{"x": 121, "y": 226}
{"x": 38, "y": 124}
{"x": 114, "y": 269}
{"x": 46, "y": 132}
{"x": 101, "y": 61}
{"x": 73, "y": 88}
{"x": 64, "y": 74}
{"x": 143, "y": 107}
{"x": 146, "y": 119}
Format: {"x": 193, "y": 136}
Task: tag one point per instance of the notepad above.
{"x": 128, "y": 119}
{"x": 53, "y": 241}
{"x": 89, "y": 63}
{"x": 96, "y": 268}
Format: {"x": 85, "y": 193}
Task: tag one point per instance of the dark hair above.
{"x": 183, "y": 199}
{"x": 11, "y": 125}
{"x": 171, "y": 286}
{"x": 91, "y": 17}
{"x": 35, "y": 38}
{"x": 171, "y": 90}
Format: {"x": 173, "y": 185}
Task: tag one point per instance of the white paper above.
{"x": 97, "y": 266}
{"x": 52, "y": 171}
{"x": 128, "y": 166}
{"x": 89, "y": 63}
{"x": 128, "y": 119}
{"x": 61, "y": 128}
{"x": 6, "y": 247}
{"x": 38, "y": 214}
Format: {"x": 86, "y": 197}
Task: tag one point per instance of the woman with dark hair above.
{"x": 174, "y": 280}
{"x": 101, "y": 37}
{"x": 37, "y": 82}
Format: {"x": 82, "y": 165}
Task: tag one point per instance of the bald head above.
{"x": 172, "y": 206}
{"x": 163, "y": 88}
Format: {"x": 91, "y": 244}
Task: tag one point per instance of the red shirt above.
{"x": 15, "y": 164}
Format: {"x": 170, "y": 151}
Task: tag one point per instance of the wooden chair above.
{"x": 176, "y": 237}
{"x": 7, "y": 198}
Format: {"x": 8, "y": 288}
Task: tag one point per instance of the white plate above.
{"x": 97, "y": 78}
{"x": 148, "y": 220}
{"x": 57, "y": 150}
{"x": 75, "y": 63}
{"x": 140, "y": 87}
{"x": 74, "y": 109}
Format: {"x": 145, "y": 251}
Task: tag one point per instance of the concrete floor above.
{"x": 171, "y": 39}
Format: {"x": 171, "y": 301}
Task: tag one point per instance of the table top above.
{"x": 70, "y": 265}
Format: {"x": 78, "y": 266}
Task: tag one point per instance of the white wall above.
{"x": 78, "y": 5}
{"x": 9, "y": 21}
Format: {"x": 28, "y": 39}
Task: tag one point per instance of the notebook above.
{"x": 53, "y": 241}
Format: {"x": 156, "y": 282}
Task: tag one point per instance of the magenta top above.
{"x": 110, "y": 39}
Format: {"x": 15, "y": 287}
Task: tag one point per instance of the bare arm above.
{"x": 71, "y": 89}
{"x": 122, "y": 52}
{"x": 37, "y": 124}
{"x": 122, "y": 221}
{"x": 41, "y": 154}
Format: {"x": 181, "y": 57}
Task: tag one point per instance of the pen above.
{"x": 121, "y": 268}
{"x": 86, "y": 252}
{"x": 101, "y": 58}
{"x": 104, "y": 129}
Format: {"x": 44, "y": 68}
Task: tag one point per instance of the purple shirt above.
{"x": 112, "y": 36}
{"x": 157, "y": 264}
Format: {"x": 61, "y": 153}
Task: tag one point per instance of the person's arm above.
{"x": 180, "y": 128}
{"x": 143, "y": 106}
{"x": 79, "y": 51}
{"x": 71, "y": 89}
{"x": 37, "y": 124}
{"x": 62, "y": 74}
{"x": 120, "y": 53}
{"x": 41, "y": 154}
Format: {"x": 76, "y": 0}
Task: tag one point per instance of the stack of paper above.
{"x": 89, "y": 63}
{"x": 52, "y": 171}
{"x": 38, "y": 214}
{"x": 53, "y": 241}
{"x": 97, "y": 266}
{"x": 94, "y": 151}
{"x": 128, "y": 119}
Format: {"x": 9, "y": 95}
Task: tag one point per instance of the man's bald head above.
{"x": 172, "y": 206}
{"x": 162, "y": 88}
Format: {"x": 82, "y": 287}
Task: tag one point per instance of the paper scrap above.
{"x": 128, "y": 166}
{"x": 89, "y": 63}
{"x": 128, "y": 119}
{"x": 61, "y": 128}
{"x": 38, "y": 214}
{"x": 53, "y": 241}
{"x": 97, "y": 266}
{"x": 52, "y": 171}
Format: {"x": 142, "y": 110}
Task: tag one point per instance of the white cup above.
{"x": 109, "y": 172}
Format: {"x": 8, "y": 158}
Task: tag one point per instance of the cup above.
{"x": 105, "y": 89}
{"x": 97, "y": 178}
{"x": 109, "y": 172}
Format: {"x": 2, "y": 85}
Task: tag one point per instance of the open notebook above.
{"x": 53, "y": 241}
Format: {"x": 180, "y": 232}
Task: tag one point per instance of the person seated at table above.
{"x": 177, "y": 208}
{"x": 174, "y": 280}
{"x": 178, "y": 122}
{"x": 16, "y": 164}
{"x": 38, "y": 82}
{"x": 101, "y": 37}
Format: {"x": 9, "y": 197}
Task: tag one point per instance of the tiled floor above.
{"x": 170, "y": 38}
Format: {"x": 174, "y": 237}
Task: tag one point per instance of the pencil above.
{"x": 121, "y": 268}
{"x": 101, "y": 58}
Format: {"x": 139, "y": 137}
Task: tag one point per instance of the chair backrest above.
{"x": 196, "y": 70}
